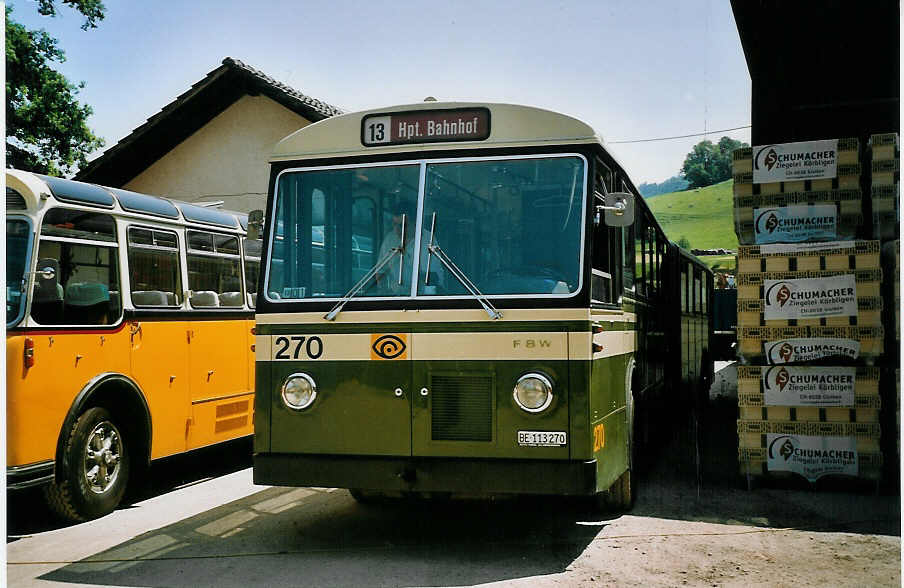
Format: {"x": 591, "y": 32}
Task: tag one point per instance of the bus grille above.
{"x": 462, "y": 408}
{"x": 14, "y": 200}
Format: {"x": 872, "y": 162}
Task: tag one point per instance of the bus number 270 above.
{"x": 313, "y": 347}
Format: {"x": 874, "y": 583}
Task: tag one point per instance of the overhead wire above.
{"x": 677, "y": 136}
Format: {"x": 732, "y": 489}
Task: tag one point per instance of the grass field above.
{"x": 703, "y": 216}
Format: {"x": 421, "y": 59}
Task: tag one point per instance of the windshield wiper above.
{"x": 400, "y": 251}
{"x": 458, "y": 273}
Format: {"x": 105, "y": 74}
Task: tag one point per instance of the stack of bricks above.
{"x": 810, "y": 324}
{"x": 843, "y": 191}
{"x": 884, "y": 164}
{"x": 884, "y": 155}
{"x": 891, "y": 372}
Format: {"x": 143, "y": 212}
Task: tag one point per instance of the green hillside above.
{"x": 704, "y": 216}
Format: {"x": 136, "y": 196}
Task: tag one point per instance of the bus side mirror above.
{"x": 619, "y": 209}
{"x": 255, "y": 224}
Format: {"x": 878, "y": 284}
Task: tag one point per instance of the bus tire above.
{"x": 95, "y": 469}
{"x": 621, "y": 493}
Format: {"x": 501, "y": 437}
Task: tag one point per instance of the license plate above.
{"x": 542, "y": 438}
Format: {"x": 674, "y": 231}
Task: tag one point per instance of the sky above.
{"x": 633, "y": 69}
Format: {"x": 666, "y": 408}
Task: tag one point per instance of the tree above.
{"x": 46, "y": 126}
{"x": 93, "y": 10}
{"x": 709, "y": 164}
{"x": 673, "y": 184}
{"x": 684, "y": 243}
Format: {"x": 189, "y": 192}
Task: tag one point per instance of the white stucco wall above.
{"x": 224, "y": 160}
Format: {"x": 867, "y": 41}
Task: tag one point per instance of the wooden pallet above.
{"x": 751, "y": 339}
{"x": 836, "y": 255}
{"x": 847, "y": 178}
{"x": 750, "y": 285}
{"x": 869, "y": 314}
{"x": 752, "y": 433}
{"x": 866, "y": 385}
{"x": 885, "y": 172}
{"x": 848, "y": 204}
{"x": 884, "y": 146}
{"x": 848, "y": 153}
{"x": 753, "y": 462}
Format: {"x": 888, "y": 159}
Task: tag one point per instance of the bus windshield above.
{"x": 18, "y": 235}
{"x": 511, "y": 225}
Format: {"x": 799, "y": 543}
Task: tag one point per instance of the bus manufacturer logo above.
{"x": 388, "y": 347}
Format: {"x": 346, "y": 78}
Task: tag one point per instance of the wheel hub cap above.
{"x": 102, "y": 455}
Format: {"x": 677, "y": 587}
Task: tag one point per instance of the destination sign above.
{"x": 425, "y": 126}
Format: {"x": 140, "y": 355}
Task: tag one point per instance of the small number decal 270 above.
{"x": 312, "y": 347}
{"x": 599, "y": 437}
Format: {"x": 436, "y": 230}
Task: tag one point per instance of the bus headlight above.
{"x": 299, "y": 391}
{"x": 533, "y": 392}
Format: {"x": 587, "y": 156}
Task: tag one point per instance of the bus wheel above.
{"x": 96, "y": 469}
{"x": 620, "y": 495}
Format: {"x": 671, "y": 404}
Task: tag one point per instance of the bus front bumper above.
{"x": 19, "y": 477}
{"x": 428, "y": 474}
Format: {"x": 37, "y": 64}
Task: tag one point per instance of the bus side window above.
{"x": 703, "y": 295}
{"x": 684, "y": 305}
{"x": 640, "y": 264}
{"x": 84, "y": 289}
{"x": 601, "y": 283}
{"x": 155, "y": 274}
{"x": 627, "y": 241}
{"x": 650, "y": 257}
{"x": 251, "y": 249}
{"x": 697, "y": 292}
{"x": 660, "y": 253}
{"x": 214, "y": 270}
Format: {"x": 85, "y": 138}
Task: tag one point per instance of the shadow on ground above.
{"x": 315, "y": 537}
{"x": 671, "y": 488}
{"x": 27, "y": 512}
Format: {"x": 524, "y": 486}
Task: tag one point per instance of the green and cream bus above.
{"x": 466, "y": 298}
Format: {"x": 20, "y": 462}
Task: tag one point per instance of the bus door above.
{"x": 218, "y": 368}
{"x": 159, "y": 345}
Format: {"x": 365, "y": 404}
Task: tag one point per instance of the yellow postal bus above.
{"x": 129, "y": 322}
{"x": 466, "y": 298}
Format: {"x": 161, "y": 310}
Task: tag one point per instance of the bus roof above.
{"x": 32, "y": 187}
{"x": 511, "y": 125}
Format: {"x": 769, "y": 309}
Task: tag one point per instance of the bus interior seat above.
{"x": 47, "y": 302}
{"x": 171, "y": 299}
{"x": 230, "y": 299}
{"x": 149, "y": 298}
{"x": 86, "y": 303}
{"x": 252, "y": 299}
{"x": 204, "y": 298}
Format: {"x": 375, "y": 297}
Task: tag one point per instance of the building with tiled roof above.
{"x": 212, "y": 143}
